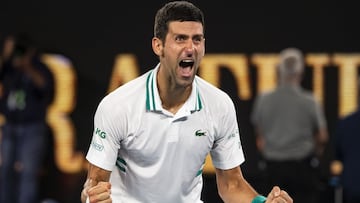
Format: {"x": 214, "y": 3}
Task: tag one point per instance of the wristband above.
{"x": 259, "y": 199}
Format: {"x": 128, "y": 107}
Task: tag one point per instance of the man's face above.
{"x": 182, "y": 51}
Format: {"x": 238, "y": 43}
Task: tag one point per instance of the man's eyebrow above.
{"x": 199, "y": 35}
{"x": 190, "y": 36}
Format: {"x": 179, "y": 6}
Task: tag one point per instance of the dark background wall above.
{"x": 91, "y": 34}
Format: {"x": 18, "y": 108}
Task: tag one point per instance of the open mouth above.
{"x": 186, "y": 68}
{"x": 186, "y": 63}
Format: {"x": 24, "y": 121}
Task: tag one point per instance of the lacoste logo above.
{"x": 200, "y": 133}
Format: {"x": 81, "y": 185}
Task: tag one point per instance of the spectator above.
{"x": 347, "y": 152}
{"x": 290, "y": 130}
{"x": 25, "y": 93}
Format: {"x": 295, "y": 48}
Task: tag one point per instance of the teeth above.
{"x": 186, "y": 63}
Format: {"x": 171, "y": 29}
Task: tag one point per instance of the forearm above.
{"x": 321, "y": 139}
{"x": 238, "y": 194}
{"x": 235, "y": 189}
{"x": 97, "y": 182}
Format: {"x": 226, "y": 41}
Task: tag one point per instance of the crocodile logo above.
{"x": 200, "y": 133}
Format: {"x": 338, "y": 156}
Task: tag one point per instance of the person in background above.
{"x": 26, "y": 90}
{"x": 291, "y": 130}
{"x": 347, "y": 151}
{"x": 152, "y": 135}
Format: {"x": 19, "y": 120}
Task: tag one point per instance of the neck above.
{"x": 173, "y": 99}
{"x": 172, "y": 96}
{"x": 291, "y": 81}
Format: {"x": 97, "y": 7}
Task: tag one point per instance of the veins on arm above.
{"x": 96, "y": 174}
{"x": 233, "y": 187}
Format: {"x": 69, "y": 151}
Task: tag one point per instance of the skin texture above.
{"x": 175, "y": 82}
{"x": 184, "y": 41}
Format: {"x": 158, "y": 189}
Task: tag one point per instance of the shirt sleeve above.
{"x": 227, "y": 151}
{"x": 255, "y": 113}
{"x": 106, "y": 137}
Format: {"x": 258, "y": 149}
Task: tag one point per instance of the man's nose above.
{"x": 189, "y": 47}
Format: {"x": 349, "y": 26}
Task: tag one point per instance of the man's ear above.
{"x": 157, "y": 46}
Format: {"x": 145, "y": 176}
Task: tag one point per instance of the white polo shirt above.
{"x": 159, "y": 156}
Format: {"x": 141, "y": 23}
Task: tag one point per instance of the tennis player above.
{"x": 152, "y": 134}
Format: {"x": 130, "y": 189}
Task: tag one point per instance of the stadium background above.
{"x": 92, "y": 34}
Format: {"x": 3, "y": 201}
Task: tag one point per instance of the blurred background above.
{"x": 90, "y": 46}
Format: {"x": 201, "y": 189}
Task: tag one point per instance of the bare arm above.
{"x": 321, "y": 139}
{"x": 233, "y": 188}
{"x": 97, "y": 186}
{"x": 260, "y": 141}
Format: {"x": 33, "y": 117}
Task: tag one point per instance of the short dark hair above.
{"x": 176, "y": 11}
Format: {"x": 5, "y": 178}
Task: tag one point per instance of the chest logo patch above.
{"x": 200, "y": 133}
